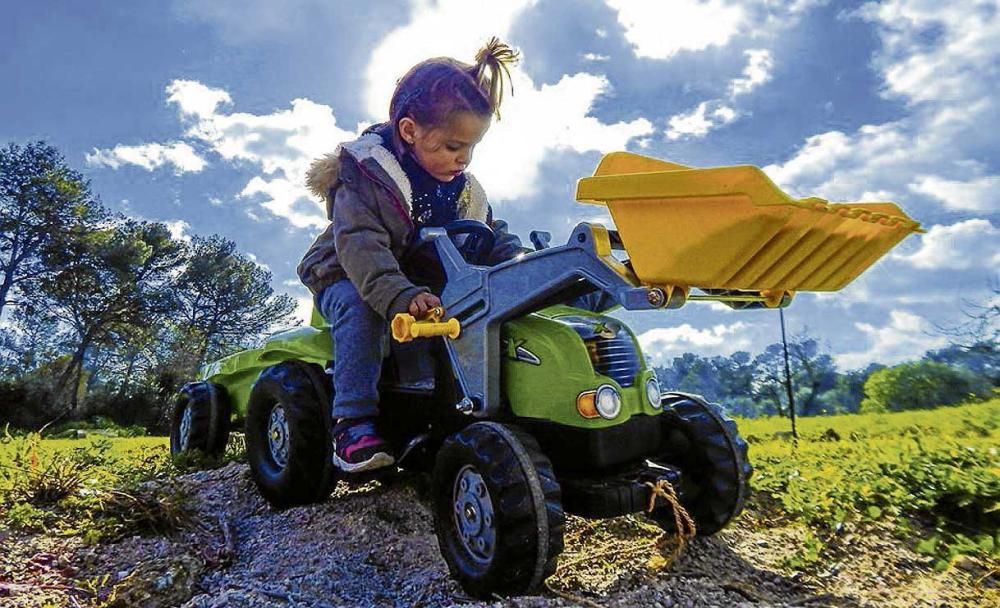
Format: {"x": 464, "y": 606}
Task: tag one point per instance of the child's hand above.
{"x": 421, "y": 303}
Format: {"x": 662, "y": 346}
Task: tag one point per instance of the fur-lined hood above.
{"x": 322, "y": 177}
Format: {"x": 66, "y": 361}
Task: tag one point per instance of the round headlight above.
{"x": 608, "y": 401}
{"x": 653, "y": 392}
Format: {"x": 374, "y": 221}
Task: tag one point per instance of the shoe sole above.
{"x": 377, "y": 461}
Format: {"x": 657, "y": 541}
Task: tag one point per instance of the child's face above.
{"x": 445, "y": 151}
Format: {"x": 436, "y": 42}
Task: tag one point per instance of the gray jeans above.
{"x": 359, "y": 338}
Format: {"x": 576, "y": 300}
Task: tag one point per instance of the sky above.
{"x": 205, "y": 116}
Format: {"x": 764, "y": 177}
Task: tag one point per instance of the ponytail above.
{"x": 491, "y": 71}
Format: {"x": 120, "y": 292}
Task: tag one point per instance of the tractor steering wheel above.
{"x": 473, "y": 239}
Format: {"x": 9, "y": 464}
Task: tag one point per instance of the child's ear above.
{"x": 407, "y": 129}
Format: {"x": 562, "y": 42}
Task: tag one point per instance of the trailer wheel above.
{"x": 288, "y": 434}
{"x": 199, "y": 419}
{"x": 705, "y": 443}
{"x": 497, "y": 510}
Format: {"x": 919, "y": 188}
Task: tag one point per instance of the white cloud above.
{"x": 709, "y": 115}
{"x": 981, "y": 194}
{"x": 937, "y": 51}
{"x": 725, "y": 114}
{"x": 663, "y": 343}
{"x": 757, "y": 72}
{"x": 814, "y": 160}
{"x": 968, "y": 244}
{"x": 303, "y": 309}
{"x": 595, "y": 57}
{"x": 693, "y": 123}
{"x": 253, "y": 258}
{"x": 537, "y": 120}
{"x": 178, "y": 230}
{"x": 701, "y": 120}
{"x": 659, "y": 30}
{"x": 196, "y": 99}
{"x": 281, "y": 144}
{"x": 905, "y": 338}
{"x": 149, "y": 156}
{"x": 940, "y": 60}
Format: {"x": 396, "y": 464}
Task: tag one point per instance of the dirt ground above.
{"x": 374, "y": 545}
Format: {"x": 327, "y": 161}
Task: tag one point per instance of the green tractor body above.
{"x": 547, "y": 364}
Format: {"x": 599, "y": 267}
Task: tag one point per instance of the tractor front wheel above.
{"x": 199, "y": 419}
{"x": 706, "y": 445}
{"x": 497, "y": 510}
{"x": 288, "y": 434}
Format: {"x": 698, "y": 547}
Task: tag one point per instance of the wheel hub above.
{"x": 473, "y": 516}
{"x": 277, "y": 435}
{"x": 185, "y": 430}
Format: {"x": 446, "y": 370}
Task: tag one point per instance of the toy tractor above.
{"x": 525, "y": 408}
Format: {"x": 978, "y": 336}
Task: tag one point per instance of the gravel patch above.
{"x": 374, "y": 545}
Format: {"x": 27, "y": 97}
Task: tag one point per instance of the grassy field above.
{"x": 932, "y": 476}
{"x": 118, "y": 447}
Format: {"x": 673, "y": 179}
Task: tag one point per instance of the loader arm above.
{"x": 482, "y": 298}
{"x": 728, "y": 232}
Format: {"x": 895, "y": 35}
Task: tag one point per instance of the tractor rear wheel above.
{"x": 705, "y": 444}
{"x": 199, "y": 419}
{"x": 497, "y": 510}
{"x": 288, "y": 434}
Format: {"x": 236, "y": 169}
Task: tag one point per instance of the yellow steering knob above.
{"x": 406, "y": 328}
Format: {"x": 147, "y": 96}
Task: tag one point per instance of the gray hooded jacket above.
{"x": 368, "y": 199}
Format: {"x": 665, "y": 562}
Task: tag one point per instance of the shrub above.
{"x": 97, "y": 490}
{"x": 921, "y": 385}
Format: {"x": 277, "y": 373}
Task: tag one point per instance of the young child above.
{"x": 380, "y": 189}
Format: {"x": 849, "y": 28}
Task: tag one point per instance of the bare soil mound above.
{"x": 374, "y": 545}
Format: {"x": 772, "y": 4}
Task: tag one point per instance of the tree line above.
{"x": 752, "y": 386}
{"x": 101, "y": 314}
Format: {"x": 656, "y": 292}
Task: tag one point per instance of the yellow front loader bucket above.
{"x": 733, "y": 228}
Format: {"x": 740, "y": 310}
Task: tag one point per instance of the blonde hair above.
{"x": 494, "y": 58}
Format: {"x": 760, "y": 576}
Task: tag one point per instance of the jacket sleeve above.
{"x": 507, "y": 245}
{"x": 363, "y": 250}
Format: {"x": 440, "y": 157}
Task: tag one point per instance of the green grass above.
{"x": 934, "y": 475}
{"x": 953, "y": 421}
{"x": 92, "y": 488}
{"x": 120, "y": 447}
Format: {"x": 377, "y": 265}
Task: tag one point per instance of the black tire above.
{"x": 522, "y": 491}
{"x": 207, "y": 429}
{"x": 707, "y": 446}
{"x": 303, "y": 471}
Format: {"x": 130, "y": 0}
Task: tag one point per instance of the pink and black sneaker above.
{"x": 358, "y": 447}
